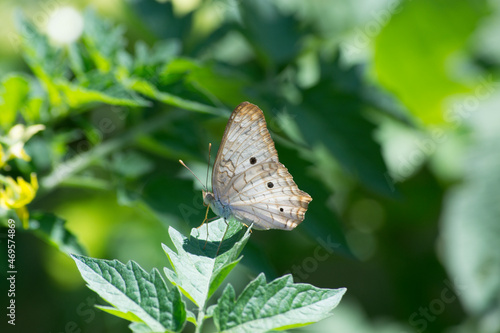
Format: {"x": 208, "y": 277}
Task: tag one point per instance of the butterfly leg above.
{"x": 248, "y": 226}
{"x": 220, "y": 243}
{"x": 210, "y": 219}
{"x": 205, "y": 219}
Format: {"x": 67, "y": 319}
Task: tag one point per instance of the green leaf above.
{"x": 44, "y": 60}
{"x": 147, "y": 64}
{"x": 103, "y": 88}
{"x": 191, "y": 317}
{"x": 278, "y": 305}
{"x": 136, "y": 295}
{"x": 139, "y": 328}
{"x": 198, "y": 272}
{"x": 162, "y": 20}
{"x": 148, "y": 89}
{"x": 332, "y": 116}
{"x": 408, "y": 44}
{"x": 160, "y": 54}
{"x": 34, "y": 108}
{"x": 186, "y": 84}
{"x": 14, "y": 89}
{"x": 51, "y": 66}
{"x": 103, "y": 41}
{"x": 274, "y": 36}
{"x": 212, "y": 82}
{"x": 53, "y": 229}
{"x": 115, "y": 312}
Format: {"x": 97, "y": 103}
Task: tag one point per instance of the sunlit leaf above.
{"x": 135, "y": 294}
{"x": 277, "y": 305}
{"x": 198, "y": 270}
{"x": 114, "y": 94}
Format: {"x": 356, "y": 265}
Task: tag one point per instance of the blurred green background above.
{"x": 385, "y": 112}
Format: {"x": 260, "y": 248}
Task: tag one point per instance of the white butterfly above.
{"x": 249, "y": 183}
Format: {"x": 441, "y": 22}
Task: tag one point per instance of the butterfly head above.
{"x": 217, "y": 207}
{"x": 208, "y": 197}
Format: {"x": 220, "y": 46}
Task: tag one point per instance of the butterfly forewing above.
{"x": 246, "y": 142}
{"x": 248, "y": 177}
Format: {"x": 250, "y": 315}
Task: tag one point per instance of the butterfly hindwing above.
{"x": 270, "y": 193}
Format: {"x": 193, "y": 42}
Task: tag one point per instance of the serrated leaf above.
{"x": 277, "y": 305}
{"x": 44, "y": 60}
{"x": 134, "y": 293}
{"x": 198, "y": 272}
{"x": 147, "y": 63}
{"x": 52, "y": 228}
{"x": 114, "y": 93}
{"x": 103, "y": 40}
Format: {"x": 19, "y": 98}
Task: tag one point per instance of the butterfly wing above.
{"x": 267, "y": 196}
{"x": 249, "y": 178}
{"x": 245, "y": 136}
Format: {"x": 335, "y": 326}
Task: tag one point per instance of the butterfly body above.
{"x": 219, "y": 208}
{"x": 249, "y": 184}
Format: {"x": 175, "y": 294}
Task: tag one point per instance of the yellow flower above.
{"x": 16, "y": 195}
{"x": 15, "y": 139}
{"x": 17, "y": 150}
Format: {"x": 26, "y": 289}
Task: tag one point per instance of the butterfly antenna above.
{"x": 193, "y": 174}
{"x": 208, "y": 169}
{"x": 206, "y": 186}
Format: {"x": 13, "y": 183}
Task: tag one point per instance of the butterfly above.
{"x": 249, "y": 184}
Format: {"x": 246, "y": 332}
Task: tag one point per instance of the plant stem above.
{"x": 150, "y": 90}
{"x": 199, "y": 319}
{"x": 82, "y": 160}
